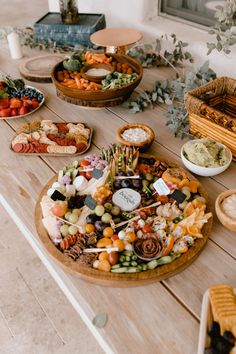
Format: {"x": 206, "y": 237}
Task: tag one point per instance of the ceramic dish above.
{"x": 205, "y": 321}
{"x": 205, "y": 171}
{"x": 85, "y": 72}
{"x": 226, "y": 220}
{"x": 142, "y": 145}
{"x": 34, "y": 110}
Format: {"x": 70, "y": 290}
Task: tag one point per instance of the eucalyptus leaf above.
{"x": 100, "y": 320}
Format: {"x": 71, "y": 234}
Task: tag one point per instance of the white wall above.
{"x": 142, "y": 15}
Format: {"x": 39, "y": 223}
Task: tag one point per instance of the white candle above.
{"x": 14, "y": 45}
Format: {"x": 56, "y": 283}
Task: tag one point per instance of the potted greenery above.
{"x": 69, "y": 11}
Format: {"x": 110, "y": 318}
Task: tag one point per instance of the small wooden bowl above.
{"x": 144, "y": 145}
{"x": 94, "y": 78}
{"x": 224, "y": 218}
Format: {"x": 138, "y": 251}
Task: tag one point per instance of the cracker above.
{"x": 58, "y": 149}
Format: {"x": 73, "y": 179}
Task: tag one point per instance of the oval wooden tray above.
{"x": 46, "y": 154}
{"x": 119, "y": 280}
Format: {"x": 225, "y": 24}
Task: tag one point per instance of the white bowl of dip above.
{"x": 209, "y": 169}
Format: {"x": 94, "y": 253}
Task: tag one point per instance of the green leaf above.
{"x": 100, "y": 320}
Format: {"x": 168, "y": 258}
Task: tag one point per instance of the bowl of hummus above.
{"x": 205, "y": 157}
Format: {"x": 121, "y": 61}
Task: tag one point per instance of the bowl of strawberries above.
{"x": 18, "y": 100}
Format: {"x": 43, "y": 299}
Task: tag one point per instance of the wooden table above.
{"x": 158, "y": 318}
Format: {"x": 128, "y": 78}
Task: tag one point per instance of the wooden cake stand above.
{"x": 116, "y": 40}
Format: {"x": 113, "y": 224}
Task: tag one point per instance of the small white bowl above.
{"x": 205, "y": 171}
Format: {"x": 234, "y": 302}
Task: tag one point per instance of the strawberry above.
{"x": 22, "y": 110}
{"x": 5, "y": 112}
{"x": 35, "y": 104}
{"x": 15, "y": 103}
{"x": 4, "y": 103}
{"x": 14, "y": 112}
{"x": 27, "y": 103}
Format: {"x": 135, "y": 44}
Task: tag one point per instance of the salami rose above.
{"x": 148, "y": 248}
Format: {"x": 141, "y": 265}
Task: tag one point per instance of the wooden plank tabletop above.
{"x": 158, "y": 318}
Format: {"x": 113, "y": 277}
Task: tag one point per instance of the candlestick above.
{"x": 14, "y": 45}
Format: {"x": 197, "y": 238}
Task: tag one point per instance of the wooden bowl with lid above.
{"x": 224, "y": 218}
{"x": 136, "y": 127}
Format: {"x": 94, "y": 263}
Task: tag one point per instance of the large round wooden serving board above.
{"x": 114, "y": 279}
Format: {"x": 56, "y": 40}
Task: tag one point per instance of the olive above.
{"x": 137, "y": 183}
{"x": 108, "y": 206}
{"x": 117, "y": 184}
{"x": 229, "y": 337}
{"x": 120, "y": 173}
{"x": 214, "y": 329}
{"x": 92, "y": 218}
{"x": 126, "y": 183}
{"x": 117, "y": 220}
{"x": 149, "y": 176}
{"x": 115, "y": 211}
{"x": 100, "y": 226}
{"x": 145, "y": 183}
{"x": 151, "y": 187}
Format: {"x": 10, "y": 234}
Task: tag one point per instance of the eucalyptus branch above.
{"x": 172, "y": 92}
{"x": 225, "y": 37}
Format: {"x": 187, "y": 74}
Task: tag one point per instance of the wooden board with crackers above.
{"x": 218, "y": 321}
{"x": 52, "y": 139}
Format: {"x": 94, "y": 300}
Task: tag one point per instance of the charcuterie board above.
{"x": 34, "y": 139}
{"x": 133, "y": 276}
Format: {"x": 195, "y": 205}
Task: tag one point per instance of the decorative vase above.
{"x": 69, "y": 11}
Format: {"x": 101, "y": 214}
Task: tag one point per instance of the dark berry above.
{"x": 229, "y": 337}
{"x": 214, "y": 329}
{"x": 129, "y": 173}
{"x": 125, "y": 183}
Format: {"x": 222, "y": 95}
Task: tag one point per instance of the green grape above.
{"x": 115, "y": 210}
{"x": 64, "y": 229}
{"x": 108, "y": 206}
{"x": 67, "y": 215}
{"x": 73, "y": 230}
{"x": 99, "y": 210}
{"x": 76, "y": 211}
{"x": 106, "y": 218}
{"x": 73, "y": 218}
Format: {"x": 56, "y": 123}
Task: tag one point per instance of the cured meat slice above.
{"x": 17, "y": 147}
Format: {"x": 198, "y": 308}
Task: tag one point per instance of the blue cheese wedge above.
{"x": 126, "y": 199}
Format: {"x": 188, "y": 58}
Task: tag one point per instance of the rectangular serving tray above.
{"x": 205, "y": 321}
{"x": 47, "y": 154}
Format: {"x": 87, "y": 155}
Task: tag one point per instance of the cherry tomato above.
{"x": 147, "y": 229}
{"x": 84, "y": 163}
{"x": 113, "y": 258}
{"x": 59, "y": 208}
{"x": 114, "y": 237}
{"x": 88, "y": 175}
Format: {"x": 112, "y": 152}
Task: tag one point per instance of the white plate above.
{"x": 206, "y": 320}
{"x": 24, "y": 115}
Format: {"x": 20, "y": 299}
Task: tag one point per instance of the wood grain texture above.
{"x": 38, "y": 68}
{"x": 120, "y": 280}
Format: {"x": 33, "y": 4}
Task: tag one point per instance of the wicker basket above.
{"x": 212, "y": 111}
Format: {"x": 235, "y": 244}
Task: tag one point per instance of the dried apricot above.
{"x": 104, "y": 265}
